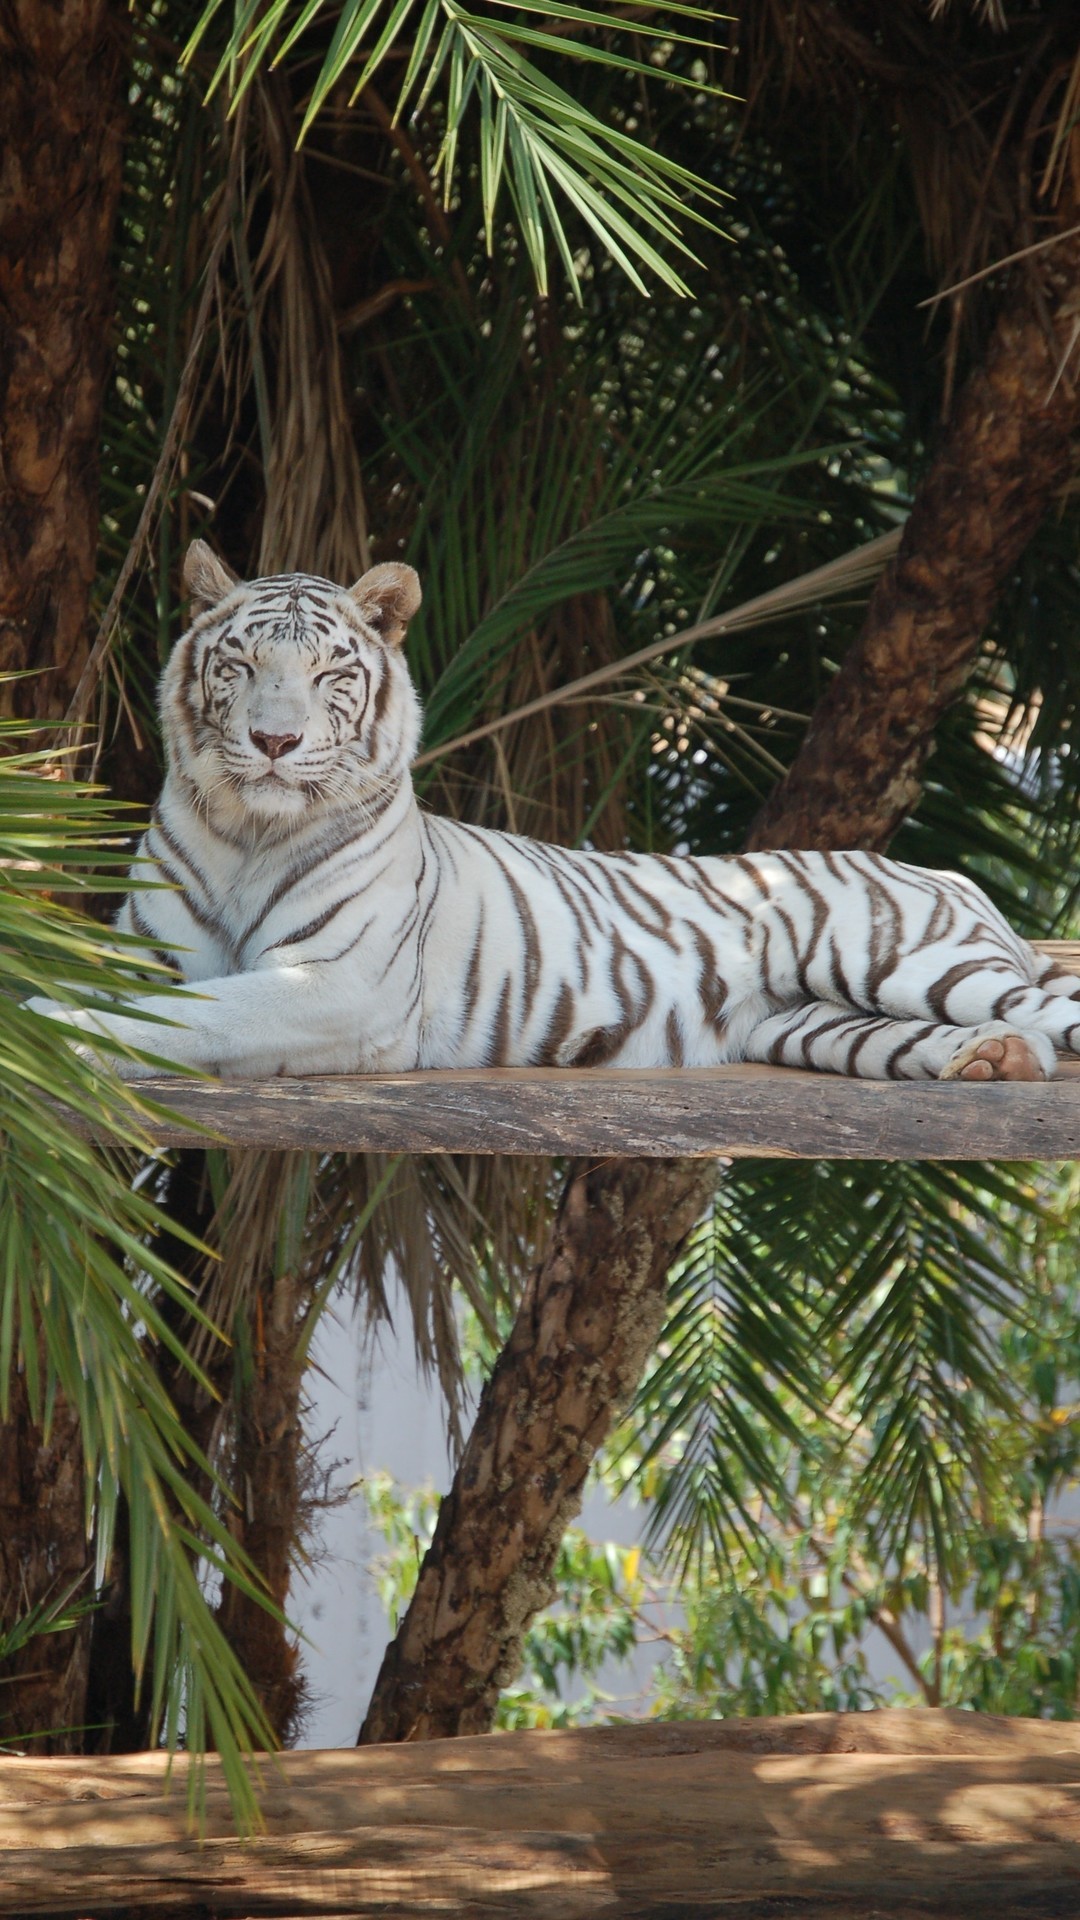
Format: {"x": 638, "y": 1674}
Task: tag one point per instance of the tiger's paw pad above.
{"x": 1003, "y": 1056}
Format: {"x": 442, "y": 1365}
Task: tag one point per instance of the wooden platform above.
{"x": 730, "y": 1111}
{"x": 823, "y": 1817}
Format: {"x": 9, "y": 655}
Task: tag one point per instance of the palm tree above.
{"x": 340, "y": 349}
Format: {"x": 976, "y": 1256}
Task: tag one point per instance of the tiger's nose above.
{"x": 275, "y": 744}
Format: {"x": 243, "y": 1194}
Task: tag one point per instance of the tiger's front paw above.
{"x": 122, "y": 1064}
{"x": 84, "y": 1023}
{"x": 51, "y": 1009}
{"x": 80, "y": 1018}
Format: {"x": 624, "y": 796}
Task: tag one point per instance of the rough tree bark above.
{"x": 62, "y": 113}
{"x": 265, "y": 1474}
{"x": 1006, "y": 454}
{"x": 43, "y": 1555}
{"x": 587, "y": 1323}
{"x": 1003, "y": 459}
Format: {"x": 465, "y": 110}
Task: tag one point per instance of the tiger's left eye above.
{"x": 328, "y": 673}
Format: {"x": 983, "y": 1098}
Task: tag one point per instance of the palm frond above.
{"x": 852, "y": 1311}
{"x": 843, "y": 576}
{"x": 534, "y": 135}
{"x": 80, "y": 1282}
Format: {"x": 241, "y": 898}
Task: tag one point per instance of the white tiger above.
{"x": 327, "y": 925}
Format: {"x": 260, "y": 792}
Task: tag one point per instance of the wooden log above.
{"x": 852, "y": 1815}
{"x": 728, "y": 1112}
{"x": 772, "y": 1112}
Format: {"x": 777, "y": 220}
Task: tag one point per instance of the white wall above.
{"x": 384, "y": 1416}
{"x": 387, "y": 1417}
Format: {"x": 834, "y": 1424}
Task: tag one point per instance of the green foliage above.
{"x": 81, "y": 1285}
{"x": 534, "y": 135}
{"x": 933, "y": 1430}
{"x": 809, "y": 1600}
{"x": 783, "y": 1623}
{"x": 503, "y": 541}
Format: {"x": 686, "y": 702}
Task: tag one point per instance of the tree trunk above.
{"x": 1006, "y": 454}
{"x": 265, "y": 1473}
{"x": 62, "y": 112}
{"x": 587, "y": 1323}
{"x": 62, "y": 115}
{"x": 44, "y": 1554}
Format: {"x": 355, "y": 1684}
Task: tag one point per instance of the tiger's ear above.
{"x": 387, "y": 597}
{"x": 206, "y": 578}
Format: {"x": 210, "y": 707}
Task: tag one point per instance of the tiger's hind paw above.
{"x": 1005, "y": 1055}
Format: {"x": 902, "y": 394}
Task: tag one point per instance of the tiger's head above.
{"x": 290, "y": 695}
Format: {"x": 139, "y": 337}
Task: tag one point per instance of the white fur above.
{"x": 327, "y": 925}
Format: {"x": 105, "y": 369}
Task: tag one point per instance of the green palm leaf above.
{"x": 80, "y": 1283}
{"x": 850, "y": 1310}
{"x": 532, "y": 133}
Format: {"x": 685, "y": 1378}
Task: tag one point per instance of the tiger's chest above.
{"x": 229, "y": 903}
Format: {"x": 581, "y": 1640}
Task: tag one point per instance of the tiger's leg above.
{"x": 1049, "y": 1006}
{"x": 875, "y": 1047}
{"x": 277, "y": 1019}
